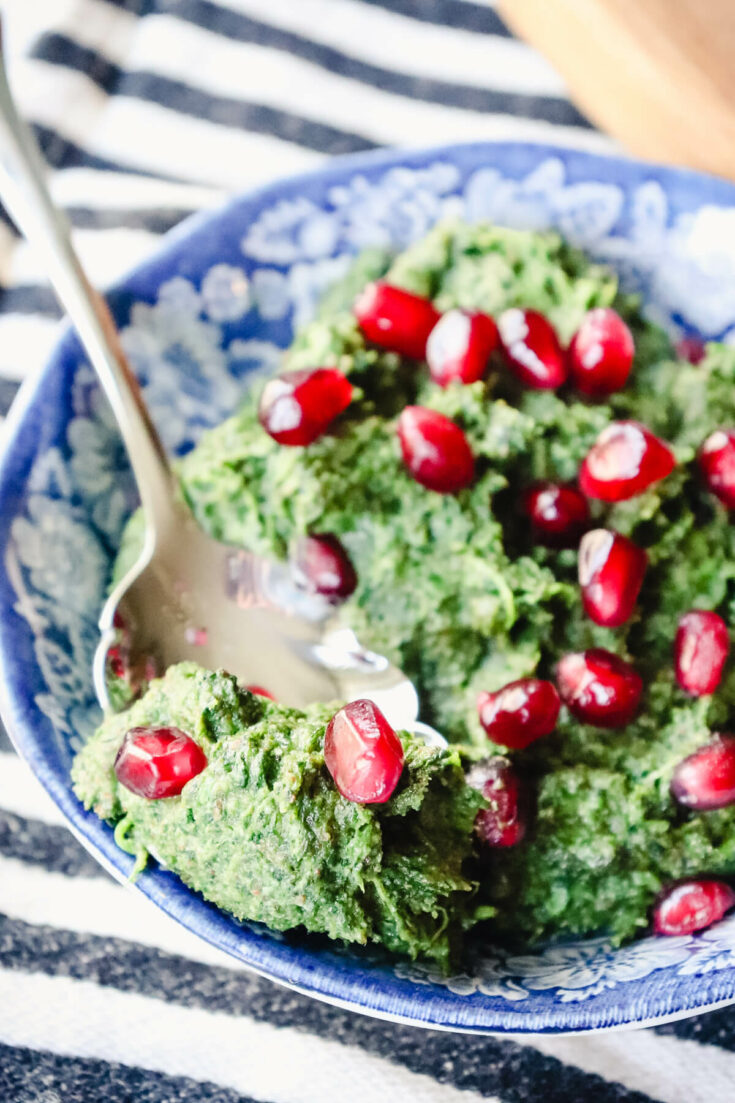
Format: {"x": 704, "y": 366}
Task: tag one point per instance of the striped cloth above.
{"x": 101, "y": 996}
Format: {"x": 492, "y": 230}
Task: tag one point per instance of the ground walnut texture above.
{"x": 453, "y": 590}
{"x": 263, "y": 832}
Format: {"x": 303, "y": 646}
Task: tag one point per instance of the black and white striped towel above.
{"x": 102, "y": 997}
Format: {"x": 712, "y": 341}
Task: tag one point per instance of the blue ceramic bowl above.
{"x": 212, "y": 309}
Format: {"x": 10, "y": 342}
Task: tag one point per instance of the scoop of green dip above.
{"x": 263, "y": 832}
{"x": 452, "y": 588}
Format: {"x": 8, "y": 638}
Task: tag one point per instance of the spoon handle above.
{"x": 25, "y": 194}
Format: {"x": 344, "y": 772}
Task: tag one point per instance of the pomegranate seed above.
{"x": 700, "y": 649}
{"x": 706, "y": 779}
{"x": 559, "y": 514}
{"x": 117, "y": 662}
{"x": 691, "y": 348}
{"x": 396, "y": 320}
{"x": 599, "y": 688}
{"x": 158, "y": 762}
{"x": 520, "y": 712}
{"x": 717, "y": 463}
{"x": 601, "y": 353}
{"x": 691, "y": 906}
{"x": 297, "y": 407}
{"x": 120, "y": 666}
{"x": 459, "y": 347}
{"x": 324, "y": 567}
{"x": 611, "y": 570}
{"x": 435, "y": 450}
{"x": 625, "y": 459}
{"x": 504, "y": 822}
{"x": 532, "y": 348}
{"x": 363, "y": 753}
{"x": 118, "y": 655}
{"x": 260, "y": 692}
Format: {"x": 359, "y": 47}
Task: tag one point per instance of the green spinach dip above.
{"x": 454, "y": 590}
{"x": 263, "y": 832}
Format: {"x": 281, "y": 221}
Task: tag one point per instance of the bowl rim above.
{"x": 371, "y": 999}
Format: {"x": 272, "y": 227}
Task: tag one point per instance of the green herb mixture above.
{"x": 453, "y": 590}
{"x": 263, "y": 832}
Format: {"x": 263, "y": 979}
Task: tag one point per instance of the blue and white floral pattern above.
{"x": 226, "y": 293}
{"x": 98, "y": 466}
{"x": 684, "y": 263}
{"x": 198, "y": 341}
{"x": 576, "y": 971}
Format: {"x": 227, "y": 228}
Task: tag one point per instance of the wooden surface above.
{"x": 657, "y": 74}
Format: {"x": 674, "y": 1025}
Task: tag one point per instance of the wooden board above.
{"x": 657, "y": 74}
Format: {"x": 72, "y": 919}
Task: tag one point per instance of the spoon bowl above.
{"x": 195, "y": 598}
{"x": 192, "y": 597}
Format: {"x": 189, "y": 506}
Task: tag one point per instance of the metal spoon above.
{"x": 189, "y": 596}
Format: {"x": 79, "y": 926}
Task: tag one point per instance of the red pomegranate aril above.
{"x": 601, "y": 353}
{"x": 435, "y": 450}
{"x": 259, "y": 691}
{"x": 599, "y": 688}
{"x": 117, "y": 662}
{"x": 623, "y": 462}
{"x": 705, "y": 780}
{"x": 691, "y": 348}
{"x": 532, "y": 349}
{"x": 611, "y": 570}
{"x": 519, "y": 713}
{"x": 121, "y": 669}
{"x": 158, "y": 762}
{"x": 717, "y": 463}
{"x": 363, "y": 753}
{"x": 396, "y": 320}
{"x": 700, "y": 650}
{"x": 558, "y": 514}
{"x": 324, "y": 567}
{"x": 118, "y": 655}
{"x": 503, "y": 823}
{"x": 297, "y": 407}
{"x": 691, "y": 906}
{"x": 459, "y": 347}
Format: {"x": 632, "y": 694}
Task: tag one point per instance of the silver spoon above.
{"x": 189, "y": 596}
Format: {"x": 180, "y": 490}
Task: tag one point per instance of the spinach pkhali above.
{"x": 456, "y": 591}
{"x": 263, "y": 832}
